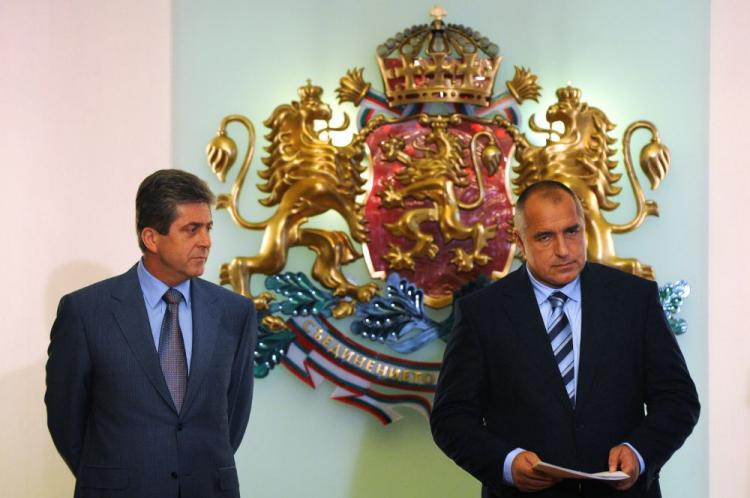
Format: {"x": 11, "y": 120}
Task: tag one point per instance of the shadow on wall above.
{"x": 401, "y": 461}
{"x": 69, "y": 277}
{"x": 28, "y": 456}
{"x": 29, "y": 462}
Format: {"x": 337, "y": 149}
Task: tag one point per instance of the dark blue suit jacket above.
{"x": 500, "y": 387}
{"x": 108, "y": 407}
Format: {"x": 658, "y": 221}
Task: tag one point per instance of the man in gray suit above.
{"x": 150, "y": 374}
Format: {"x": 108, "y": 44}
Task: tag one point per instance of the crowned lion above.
{"x": 434, "y": 177}
{"x": 305, "y": 176}
{"x": 580, "y": 158}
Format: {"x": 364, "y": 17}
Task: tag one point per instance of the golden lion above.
{"x": 434, "y": 177}
{"x": 580, "y": 158}
{"x": 305, "y": 176}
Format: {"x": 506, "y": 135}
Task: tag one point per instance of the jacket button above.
{"x": 174, "y": 475}
{"x": 179, "y": 426}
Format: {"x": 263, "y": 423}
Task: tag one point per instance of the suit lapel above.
{"x": 523, "y": 310}
{"x": 205, "y": 312}
{"x": 130, "y": 313}
{"x": 594, "y": 324}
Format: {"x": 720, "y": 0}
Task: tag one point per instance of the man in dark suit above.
{"x": 150, "y": 374}
{"x": 556, "y": 362}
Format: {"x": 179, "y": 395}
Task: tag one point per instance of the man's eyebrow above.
{"x": 196, "y": 224}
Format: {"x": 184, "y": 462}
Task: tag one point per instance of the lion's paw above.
{"x": 464, "y": 261}
{"x": 343, "y": 309}
{"x": 398, "y": 259}
{"x": 262, "y": 300}
{"x": 367, "y": 291}
{"x": 390, "y": 198}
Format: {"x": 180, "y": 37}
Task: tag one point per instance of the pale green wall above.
{"x": 635, "y": 59}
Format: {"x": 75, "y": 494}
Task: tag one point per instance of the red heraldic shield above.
{"x": 438, "y": 207}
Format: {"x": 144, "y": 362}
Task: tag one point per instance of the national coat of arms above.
{"x": 425, "y": 190}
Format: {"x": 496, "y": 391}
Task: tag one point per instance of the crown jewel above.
{"x": 438, "y": 62}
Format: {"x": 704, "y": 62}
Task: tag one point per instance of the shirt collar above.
{"x": 542, "y": 292}
{"x": 154, "y": 289}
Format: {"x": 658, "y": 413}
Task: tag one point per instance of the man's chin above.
{"x": 566, "y": 275}
{"x": 197, "y": 270}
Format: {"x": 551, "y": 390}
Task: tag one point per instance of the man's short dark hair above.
{"x": 544, "y": 186}
{"x": 160, "y": 193}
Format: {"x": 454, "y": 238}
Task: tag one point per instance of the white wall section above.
{"x": 85, "y": 102}
{"x": 728, "y": 246}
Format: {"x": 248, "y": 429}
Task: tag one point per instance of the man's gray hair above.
{"x": 547, "y": 188}
{"x": 160, "y": 193}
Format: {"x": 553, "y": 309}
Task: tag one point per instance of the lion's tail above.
{"x": 654, "y": 159}
{"x": 221, "y": 153}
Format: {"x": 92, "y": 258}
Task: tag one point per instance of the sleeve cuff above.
{"x": 508, "y": 464}
{"x": 641, "y": 463}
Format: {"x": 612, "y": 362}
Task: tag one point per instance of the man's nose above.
{"x": 205, "y": 240}
{"x": 561, "y": 246}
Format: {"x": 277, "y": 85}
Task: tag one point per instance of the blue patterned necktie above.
{"x": 561, "y": 339}
{"x": 172, "y": 349}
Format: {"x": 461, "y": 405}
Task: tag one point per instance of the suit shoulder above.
{"x": 489, "y": 294}
{"x": 97, "y": 289}
{"x": 621, "y": 278}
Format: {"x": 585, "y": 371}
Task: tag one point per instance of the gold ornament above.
{"x": 524, "y": 85}
{"x": 305, "y": 176}
{"x": 352, "y": 87}
{"x": 581, "y": 158}
{"x": 438, "y": 62}
{"x": 434, "y": 177}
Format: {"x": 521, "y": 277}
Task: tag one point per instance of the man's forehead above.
{"x": 551, "y": 213}
{"x": 198, "y": 212}
{"x": 550, "y": 195}
{"x": 560, "y": 205}
{"x": 193, "y": 206}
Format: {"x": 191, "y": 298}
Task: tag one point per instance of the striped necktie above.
{"x": 172, "y": 350}
{"x": 561, "y": 339}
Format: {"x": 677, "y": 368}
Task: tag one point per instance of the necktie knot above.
{"x": 557, "y": 299}
{"x": 172, "y": 296}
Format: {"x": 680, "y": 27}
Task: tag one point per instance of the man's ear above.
{"x": 519, "y": 242}
{"x": 149, "y": 237}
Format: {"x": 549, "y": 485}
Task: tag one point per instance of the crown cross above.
{"x": 438, "y": 12}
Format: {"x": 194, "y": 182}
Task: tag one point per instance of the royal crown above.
{"x": 310, "y": 92}
{"x": 438, "y": 62}
{"x": 568, "y": 94}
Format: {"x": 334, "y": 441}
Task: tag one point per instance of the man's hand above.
{"x": 622, "y": 458}
{"x": 525, "y": 478}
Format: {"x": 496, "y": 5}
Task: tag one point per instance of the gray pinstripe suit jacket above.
{"x": 108, "y": 407}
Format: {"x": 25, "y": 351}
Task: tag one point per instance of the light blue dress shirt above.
{"x": 153, "y": 293}
{"x": 572, "y": 309}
